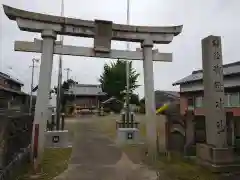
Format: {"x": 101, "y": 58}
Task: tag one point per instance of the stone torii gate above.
{"x": 102, "y": 32}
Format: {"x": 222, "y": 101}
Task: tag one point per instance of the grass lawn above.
{"x": 55, "y": 161}
{"x": 177, "y": 168}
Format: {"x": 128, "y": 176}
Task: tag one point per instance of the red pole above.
{"x": 35, "y": 143}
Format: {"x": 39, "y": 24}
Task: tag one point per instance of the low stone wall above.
{"x": 15, "y": 137}
{"x": 13, "y": 167}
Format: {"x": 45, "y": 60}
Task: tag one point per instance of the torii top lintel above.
{"x": 76, "y": 27}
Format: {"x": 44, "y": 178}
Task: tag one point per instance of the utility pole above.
{"x": 58, "y": 108}
{"x": 31, "y": 91}
{"x": 127, "y": 69}
{"x": 68, "y": 70}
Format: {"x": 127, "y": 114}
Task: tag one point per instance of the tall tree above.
{"x": 113, "y": 79}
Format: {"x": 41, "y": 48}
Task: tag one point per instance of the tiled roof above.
{"x": 173, "y": 94}
{"x": 12, "y": 91}
{"x": 228, "y": 69}
{"x": 86, "y": 89}
{"x": 11, "y": 78}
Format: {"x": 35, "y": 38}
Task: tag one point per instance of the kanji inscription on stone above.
{"x": 214, "y": 91}
{"x": 220, "y": 126}
{"x": 217, "y": 69}
{"x": 218, "y": 86}
{"x": 220, "y": 103}
{"x": 103, "y": 36}
{"x": 217, "y": 55}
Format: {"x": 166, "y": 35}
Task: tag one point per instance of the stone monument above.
{"x": 216, "y": 153}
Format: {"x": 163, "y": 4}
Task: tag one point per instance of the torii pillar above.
{"x": 41, "y": 110}
{"x": 150, "y": 106}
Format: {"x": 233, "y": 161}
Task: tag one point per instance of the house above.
{"x": 11, "y": 96}
{"x": 86, "y": 96}
{"x": 191, "y": 90}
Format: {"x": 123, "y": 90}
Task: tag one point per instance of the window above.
{"x": 226, "y": 100}
{"x": 231, "y": 100}
{"x": 190, "y": 103}
{"x": 198, "y": 101}
{"x": 234, "y": 99}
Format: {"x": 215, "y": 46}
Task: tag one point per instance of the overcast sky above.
{"x": 200, "y": 18}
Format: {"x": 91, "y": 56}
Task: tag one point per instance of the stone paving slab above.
{"x": 96, "y": 157}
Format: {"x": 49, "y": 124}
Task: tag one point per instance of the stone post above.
{"x": 41, "y": 111}
{"x": 215, "y": 154}
{"x": 214, "y": 92}
{"x": 150, "y": 106}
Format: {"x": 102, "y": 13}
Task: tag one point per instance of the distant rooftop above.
{"x": 228, "y": 69}
{"x": 12, "y": 90}
{"x": 11, "y": 78}
{"x": 166, "y": 94}
{"x": 86, "y": 90}
{"x": 173, "y": 94}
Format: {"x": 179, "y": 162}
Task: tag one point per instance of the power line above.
{"x": 31, "y": 91}
{"x": 128, "y": 68}
{"x": 58, "y": 98}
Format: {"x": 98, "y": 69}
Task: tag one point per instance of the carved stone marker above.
{"x": 215, "y": 154}
{"x": 214, "y": 91}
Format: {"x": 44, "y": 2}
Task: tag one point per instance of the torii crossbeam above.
{"x": 36, "y": 46}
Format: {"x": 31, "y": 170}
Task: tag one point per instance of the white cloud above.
{"x": 200, "y": 19}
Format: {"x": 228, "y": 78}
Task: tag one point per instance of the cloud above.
{"x": 200, "y": 19}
